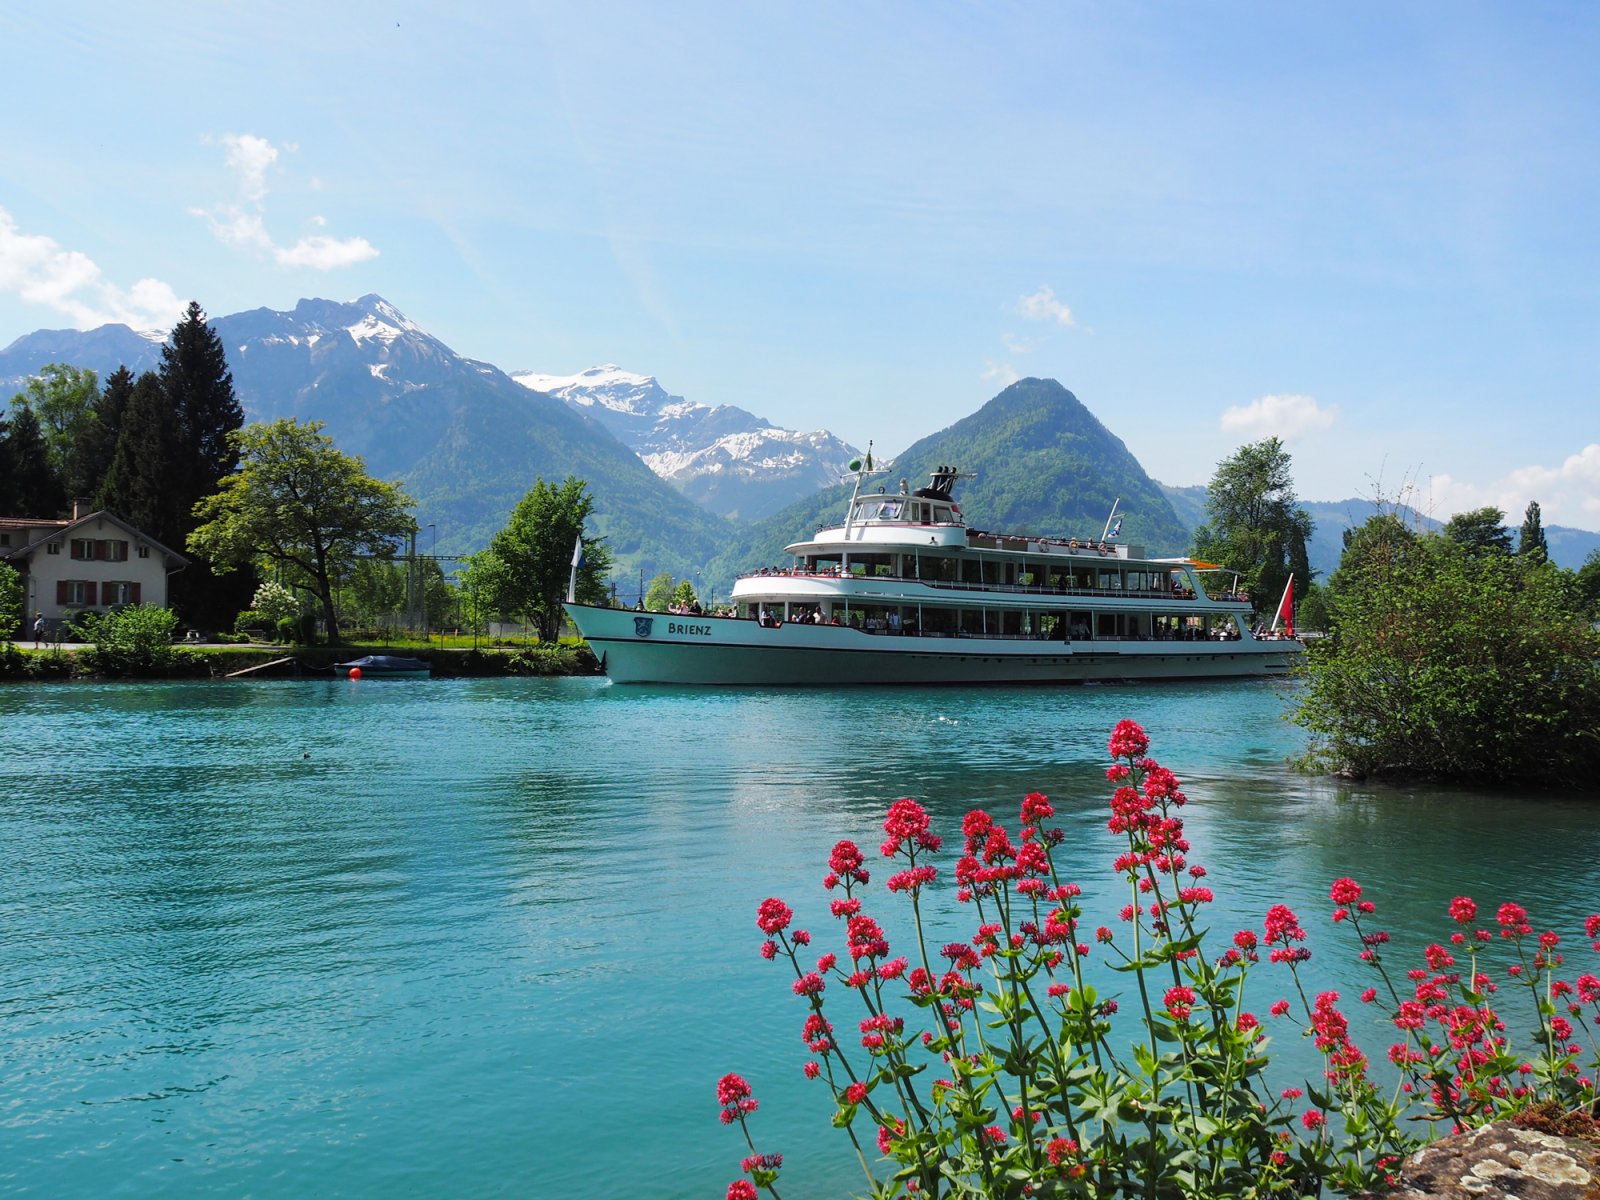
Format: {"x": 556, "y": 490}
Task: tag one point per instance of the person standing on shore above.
{"x": 38, "y": 629}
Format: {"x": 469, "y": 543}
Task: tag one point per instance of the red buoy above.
{"x": 355, "y": 672}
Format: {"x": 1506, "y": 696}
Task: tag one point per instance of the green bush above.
{"x": 136, "y": 640}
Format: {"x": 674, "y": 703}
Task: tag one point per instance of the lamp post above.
{"x": 433, "y": 556}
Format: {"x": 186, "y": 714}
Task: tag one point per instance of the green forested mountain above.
{"x": 1045, "y": 465}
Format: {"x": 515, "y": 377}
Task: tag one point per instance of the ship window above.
{"x": 891, "y": 511}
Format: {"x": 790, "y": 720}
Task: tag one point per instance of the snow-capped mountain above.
{"x": 725, "y": 459}
{"x": 464, "y": 440}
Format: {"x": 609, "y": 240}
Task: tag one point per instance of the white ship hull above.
{"x": 636, "y": 647}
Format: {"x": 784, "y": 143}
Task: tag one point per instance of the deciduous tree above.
{"x": 534, "y": 556}
{"x": 298, "y": 504}
{"x": 1254, "y": 524}
{"x": 658, "y": 596}
{"x": 63, "y": 399}
{"x": 1453, "y": 662}
{"x": 1480, "y": 531}
{"x": 11, "y": 602}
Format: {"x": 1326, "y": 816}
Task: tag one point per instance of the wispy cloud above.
{"x": 241, "y": 223}
{"x": 1287, "y": 417}
{"x": 1568, "y": 494}
{"x": 1015, "y": 344}
{"x": 36, "y": 268}
{"x": 1002, "y": 373}
{"x": 1043, "y": 306}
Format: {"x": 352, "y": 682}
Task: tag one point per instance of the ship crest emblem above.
{"x": 642, "y": 626}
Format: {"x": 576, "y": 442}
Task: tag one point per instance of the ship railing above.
{"x": 1000, "y": 588}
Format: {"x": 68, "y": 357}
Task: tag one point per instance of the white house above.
{"x": 94, "y": 561}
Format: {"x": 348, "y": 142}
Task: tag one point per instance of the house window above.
{"x": 52, "y": 548}
{"x": 116, "y": 550}
{"x": 113, "y": 593}
{"x": 80, "y": 593}
{"x": 5, "y": 539}
{"x": 83, "y": 549}
{"x": 144, "y": 551}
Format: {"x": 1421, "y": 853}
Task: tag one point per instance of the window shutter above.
{"x": 133, "y": 593}
{"x": 89, "y": 599}
{"x": 62, "y": 596}
{"x": 102, "y": 550}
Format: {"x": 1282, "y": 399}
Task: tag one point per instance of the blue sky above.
{"x": 1368, "y": 228}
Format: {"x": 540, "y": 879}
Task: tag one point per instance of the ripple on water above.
{"x": 313, "y": 938}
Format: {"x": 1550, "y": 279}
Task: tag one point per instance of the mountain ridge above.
{"x": 467, "y": 440}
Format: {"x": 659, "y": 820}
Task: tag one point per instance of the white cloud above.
{"x": 1287, "y": 417}
{"x": 1043, "y": 306}
{"x": 1568, "y": 494}
{"x": 1002, "y": 373}
{"x": 242, "y": 222}
{"x": 1015, "y": 344}
{"x": 36, "y": 268}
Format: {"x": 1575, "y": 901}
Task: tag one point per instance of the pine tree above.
{"x": 194, "y": 370}
{"x": 97, "y": 442}
{"x": 36, "y": 489}
{"x": 199, "y": 387}
{"x": 140, "y": 485}
{"x": 1531, "y": 543}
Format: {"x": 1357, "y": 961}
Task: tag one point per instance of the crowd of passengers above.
{"x": 893, "y": 623}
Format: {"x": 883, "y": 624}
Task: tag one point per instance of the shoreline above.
{"x": 82, "y": 663}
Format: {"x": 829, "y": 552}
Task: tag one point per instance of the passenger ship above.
{"x": 903, "y": 592}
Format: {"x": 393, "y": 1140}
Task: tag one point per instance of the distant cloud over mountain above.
{"x": 1288, "y": 417}
{"x": 1042, "y": 305}
{"x": 241, "y": 222}
{"x": 36, "y": 268}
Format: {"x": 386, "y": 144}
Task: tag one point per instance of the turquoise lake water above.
{"x": 496, "y": 937}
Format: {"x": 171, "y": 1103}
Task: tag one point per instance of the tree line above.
{"x": 168, "y": 451}
{"x": 147, "y": 448}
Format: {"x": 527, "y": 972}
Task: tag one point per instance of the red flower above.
{"x": 742, "y": 1189}
{"x": 1463, "y": 910}
{"x": 1036, "y": 807}
{"x": 812, "y": 1069}
{"x": 1513, "y": 920}
{"x": 1344, "y": 892}
{"x": 733, "y": 1093}
{"x": 1179, "y": 1001}
{"x": 855, "y": 1093}
{"x": 907, "y": 827}
{"x": 772, "y": 915}
{"x": 1128, "y": 740}
{"x": 1279, "y": 1007}
{"x": 847, "y": 862}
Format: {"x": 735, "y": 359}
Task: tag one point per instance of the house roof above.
{"x": 57, "y": 528}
